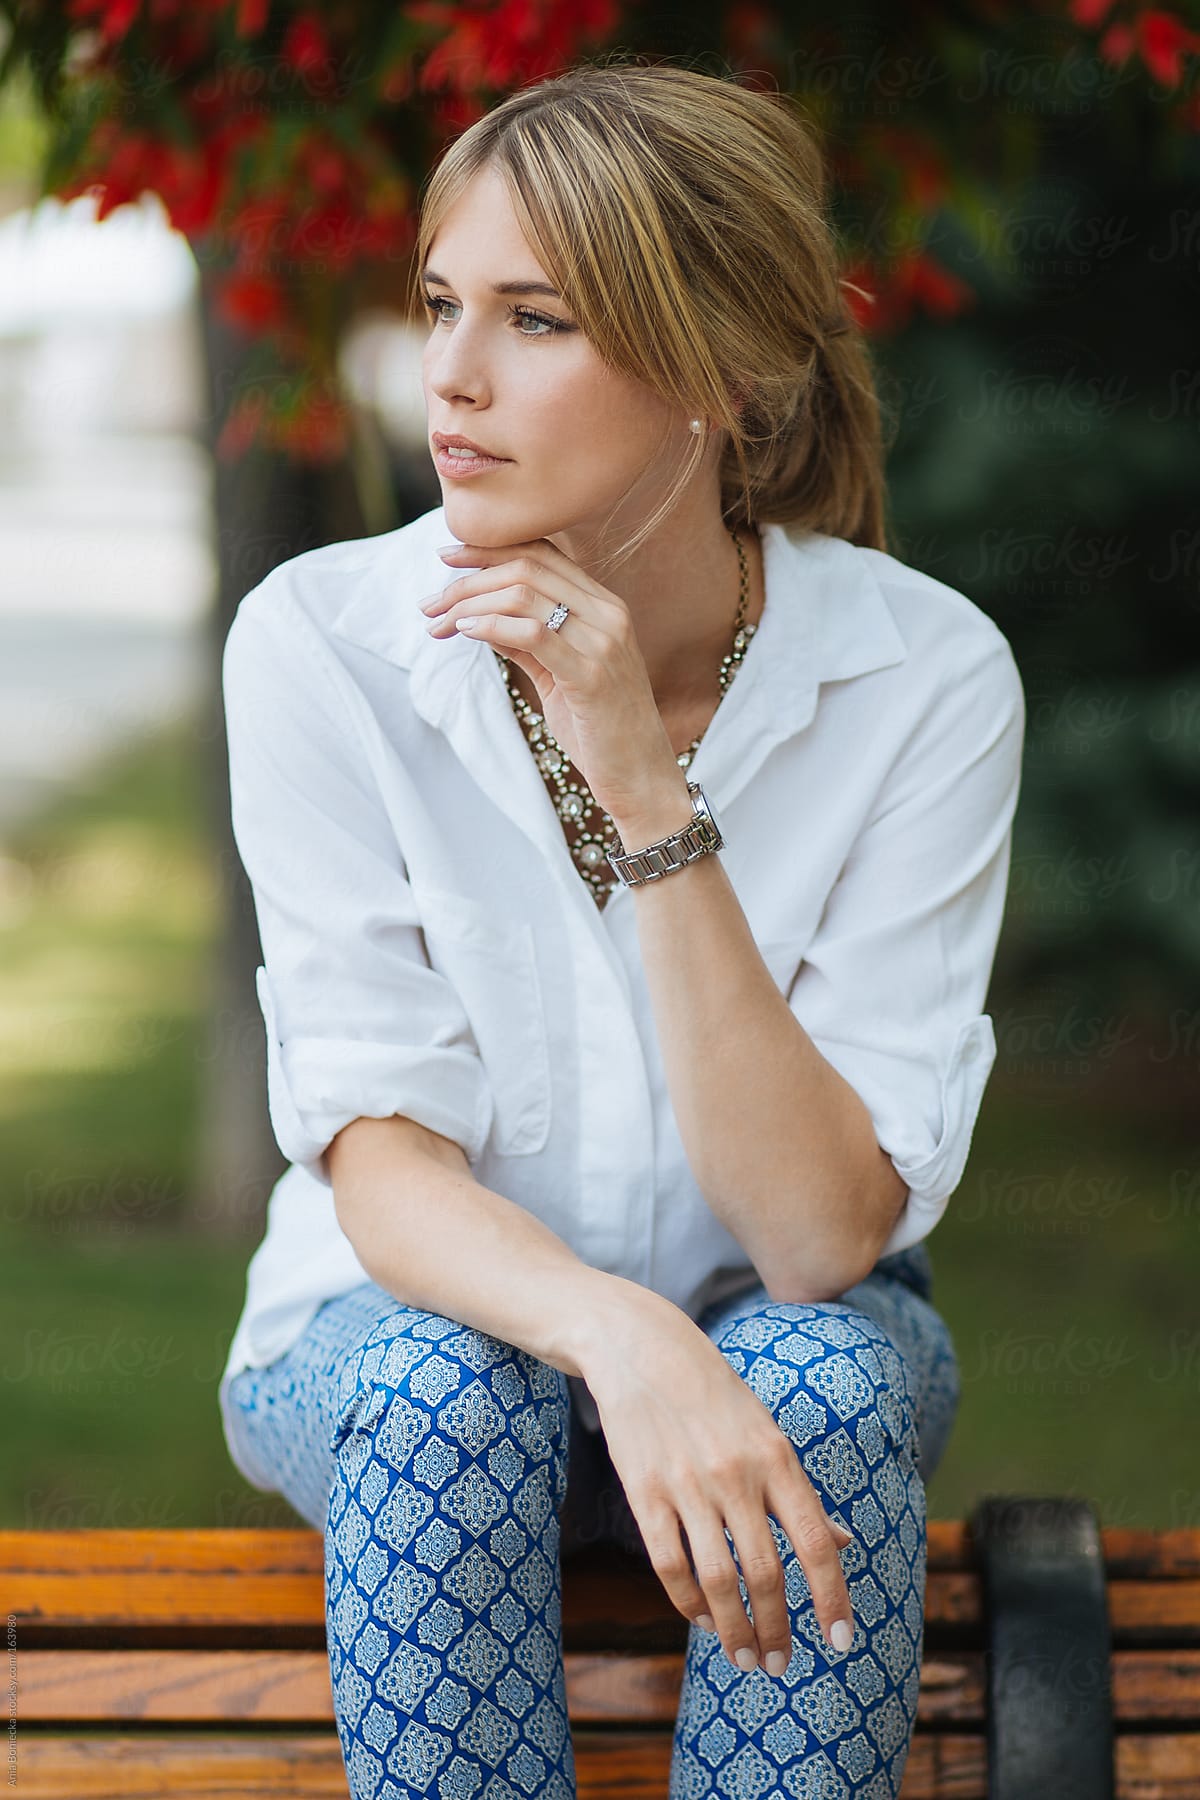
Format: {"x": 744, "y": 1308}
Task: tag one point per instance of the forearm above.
{"x": 436, "y": 1238}
{"x": 782, "y": 1147}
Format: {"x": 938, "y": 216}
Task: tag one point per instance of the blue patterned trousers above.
{"x": 449, "y": 1471}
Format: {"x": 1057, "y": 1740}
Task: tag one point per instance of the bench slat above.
{"x": 304, "y": 1765}
{"x": 248, "y": 1688}
{"x": 275, "y": 1580}
{"x": 1151, "y": 1555}
{"x": 617, "y": 1610}
{"x": 1128, "y": 1553}
{"x": 179, "y": 1577}
{"x": 1157, "y": 1685}
{"x": 611, "y": 1766}
{"x": 1158, "y": 1766}
{"x": 308, "y": 1766}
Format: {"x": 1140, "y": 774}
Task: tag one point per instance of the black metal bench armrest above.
{"x": 1048, "y": 1649}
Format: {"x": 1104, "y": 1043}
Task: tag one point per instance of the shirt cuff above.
{"x": 317, "y": 1085}
{"x": 933, "y": 1173}
{"x": 924, "y": 1114}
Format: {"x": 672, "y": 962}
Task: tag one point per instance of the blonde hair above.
{"x": 683, "y": 219}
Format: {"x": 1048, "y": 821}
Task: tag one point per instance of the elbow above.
{"x": 873, "y": 1206}
{"x": 823, "y": 1276}
{"x": 813, "y": 1287}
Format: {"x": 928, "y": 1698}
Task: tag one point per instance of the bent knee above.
{"x": 828, "y": 1373}
{"x": 430, "y": 1391}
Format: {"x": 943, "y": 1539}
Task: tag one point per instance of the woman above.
{"x": 610, "y": 1173}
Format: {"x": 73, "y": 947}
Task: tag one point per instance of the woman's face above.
{"x": 575, "y": 434}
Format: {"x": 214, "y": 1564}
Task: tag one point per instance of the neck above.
{"x": 681, "y": 588}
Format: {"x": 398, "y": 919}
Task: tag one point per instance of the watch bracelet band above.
{"x": 700, "y": 837}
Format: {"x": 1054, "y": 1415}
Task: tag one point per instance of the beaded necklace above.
{"x": 575, "y": 802}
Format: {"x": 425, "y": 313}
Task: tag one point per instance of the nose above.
{"x": 455, "y": 367}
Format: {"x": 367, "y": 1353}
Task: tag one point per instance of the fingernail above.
{"x": 746, "y": 1659}
{"x": 841, "y": 1635}
{"x": 445, "y": 549}
{"x": 465, "y": 624}
{"x": 777, "y": 1662}
{"x": 705, "y": 1622}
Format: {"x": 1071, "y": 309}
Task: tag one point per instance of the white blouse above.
{"x": 430, "y": 948}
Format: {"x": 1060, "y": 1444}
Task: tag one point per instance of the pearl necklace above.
{"x": 575, "y": 802}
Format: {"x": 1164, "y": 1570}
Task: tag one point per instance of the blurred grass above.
{"x": 24, "y": 137}
{"x": 120, "y": 1310}
{"x": 1065, "y": 1266}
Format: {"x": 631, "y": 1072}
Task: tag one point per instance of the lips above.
{"x": 442, "y": 442}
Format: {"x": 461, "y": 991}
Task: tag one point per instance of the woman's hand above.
{"x": 694, "y": 1446}
{"x": 590, "y": 675}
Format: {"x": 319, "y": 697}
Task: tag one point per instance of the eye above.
{"x": 434, "y": 303}
{"x": 527, "y": 312}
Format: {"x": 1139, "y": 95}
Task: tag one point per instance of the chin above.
{"x": 489, "y": 527}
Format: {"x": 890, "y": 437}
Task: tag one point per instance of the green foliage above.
{"x": 1045, "y": 465}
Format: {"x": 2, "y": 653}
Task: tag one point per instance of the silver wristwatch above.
{"x": 695, "y": 840}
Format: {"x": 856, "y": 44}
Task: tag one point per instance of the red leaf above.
{"x": 251, "y": 17}
{"x": 939, "y": 292}
{"x": 1164, "y": 44}
{"x": 1089, "y": 13}
{"x": 252, "y": 301}
{"x": 113, "y": 17}
{"x": 325, "y": 166}
{"x": 1117, "y": 43}
{"x": 305, "y": 46}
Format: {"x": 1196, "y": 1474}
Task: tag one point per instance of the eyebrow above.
{"x": 501, "y": 287}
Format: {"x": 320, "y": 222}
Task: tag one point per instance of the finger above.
{"x": 664, "y": 1546}
{"x": 520, "y": 571}
{"x": 539, "y": 550}
{"x": 567, "y": 659}
{"x": 531, "y": 667}
{"x": 762, "y": 1573}
{"x": 517, "y": 601}
{"x": 803, "y": 1521}
{"x": 718, "y": 1576}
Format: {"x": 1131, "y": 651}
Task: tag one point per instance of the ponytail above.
{"x": 823, "y": 466}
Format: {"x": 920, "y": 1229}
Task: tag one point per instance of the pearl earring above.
{"x": 697, "y": 425}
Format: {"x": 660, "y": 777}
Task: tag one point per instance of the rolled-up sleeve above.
{"x": 892, "y": 986}
{"x": 358, "y": 1024}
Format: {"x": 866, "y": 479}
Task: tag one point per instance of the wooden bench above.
{"x": 193, "y": 1663}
